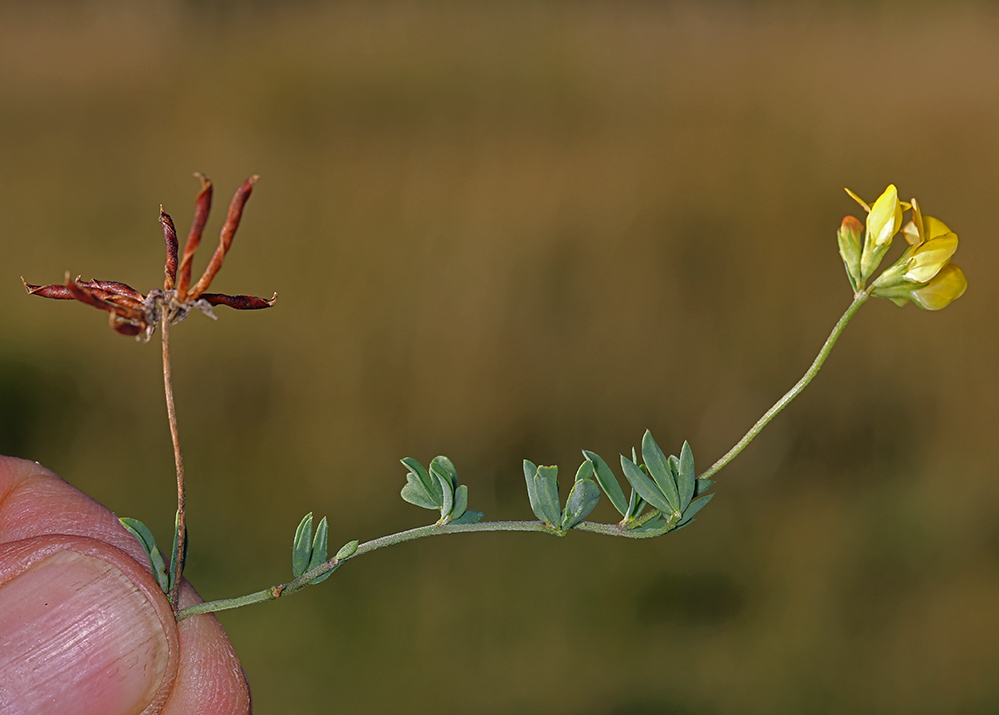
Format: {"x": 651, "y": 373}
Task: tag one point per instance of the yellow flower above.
{"x": 884, "y": 219}
{"x": 924, "y": 273}
{"x": 948, "y": 285}
{"x": 921, "y": 229}
{"x": 928, "y": 259}
{"x": 945, "y": 287}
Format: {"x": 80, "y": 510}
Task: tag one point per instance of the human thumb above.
{"x": 76, "y": 634}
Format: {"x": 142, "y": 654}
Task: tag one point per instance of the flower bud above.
{"x": 885, "y": 218}
{"x": 849, "y": 248}
{"x": 883, "y": 222}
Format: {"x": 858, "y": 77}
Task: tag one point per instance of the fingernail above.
{"x": 77, "y": 636}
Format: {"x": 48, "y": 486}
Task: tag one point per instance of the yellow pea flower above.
{"x": 884, "y": 220}
{"x": 919, "y": 263}
{"x": 921, "y": 229}
{"x": 929, "y": 258}
{"x": 946, "y": 286}
{"x": 924, "y": 273}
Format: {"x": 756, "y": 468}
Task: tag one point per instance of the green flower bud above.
{"x": 849, "y": 248}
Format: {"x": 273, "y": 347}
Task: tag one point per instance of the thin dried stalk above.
{"x": 178, "y": 458}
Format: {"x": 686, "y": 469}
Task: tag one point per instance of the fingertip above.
{"x": 210, "y": 679}
{"x": 88, "y": 639}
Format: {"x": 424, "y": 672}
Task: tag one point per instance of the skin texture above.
{"x": 83, "y": 626}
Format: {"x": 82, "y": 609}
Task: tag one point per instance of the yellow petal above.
{"x": 947, "y": 286}
{"x": 885, "y": 218}
{"x": 858, "y": 200}
{"x": 933, "y": 227}
{"x": 913, "y": 231}
{"x": 929, "y": 258}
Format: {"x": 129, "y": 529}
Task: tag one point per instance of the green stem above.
{"x": 858, "y": 300}
{"x": 269, "y": 594}
{"x": 630, "y": 531}
{"x": 275, "y": 592}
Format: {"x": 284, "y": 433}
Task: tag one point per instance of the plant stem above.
{"x": 181, "y": 535}
{"x": 274, "y": 592}
{"x": 858, "y": 300}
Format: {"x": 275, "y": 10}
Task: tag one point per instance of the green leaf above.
{"x": 548, "y": 489}
{"x": 422, "y": 476}
{"x": 542, "y": 489}
{"x": 301, "y": 547}
{"x": 145, "y": 538}
{"x": 582, "y": 500}
{"x": 415, "y": 493}
{"x": 702, "y": 485}
{"x": 319, "y": 545}
{"x": 347, "y": 550}
{"x": 585, "y": 471}
{"x": 695, "y": 506}
{"x": 460, "y": 502}
{"x": 658, "y": 467}
{"x": 415, "y": 481}
{"x": 442, "y": 467}
{"x": 645, "y": 487}
{"x": 686, "y": 476}
{"x": 635, "y": 506}
{"x": 448, "y": 492}
{"x": 608, "y": 482}
{"x": 318, "y": 553}
{"x": 416, "y": 468}
{"x": 469, "y": 517}
{"x": 674, "y": 465}
{"x": 530, "y": 472}
{"x": 421, "y": 489}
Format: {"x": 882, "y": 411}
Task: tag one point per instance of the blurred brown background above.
{"x": 509, "y": 230}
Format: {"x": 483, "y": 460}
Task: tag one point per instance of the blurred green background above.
{"x": 515, "y": 230}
